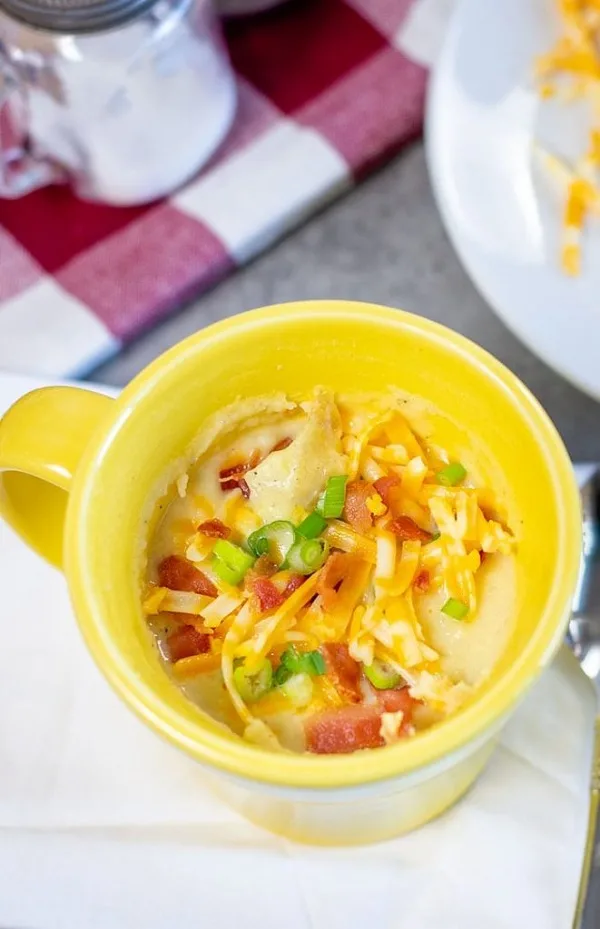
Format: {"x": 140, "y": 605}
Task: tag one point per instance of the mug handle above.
{"x": 20, "y": 171}
{"x": 42, "y": 439}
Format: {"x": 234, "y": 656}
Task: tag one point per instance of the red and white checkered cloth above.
{"x": 327, "y": 89}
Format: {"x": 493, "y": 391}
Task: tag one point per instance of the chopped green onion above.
{"x": 452, "y": 474}
{"x": 331, "y": 502}
{"x": 382, "y": 675}
{"x": 225, "y": 573}
{"x": 273, "y": 539}
{"x": 435, "y": 537}
{"x": 315, "y": 663}
{"x": 298, "y": 688}
{"x": 291, "y": 659}
{"x": 258, "y": 546}
{"x": 456, "y": 609}
{"x": 230, "y": 562}
{"x": 312, "y": 526}
{"x": 281, "y": 675}
{"x": 297, "y": 662}
{"x": 307, "y": 555}
{"x": 252, "y": 686}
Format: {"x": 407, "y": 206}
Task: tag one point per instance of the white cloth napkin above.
{"x": 104, "y": 826}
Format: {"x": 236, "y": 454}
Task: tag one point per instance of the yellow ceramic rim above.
{"x": 302, "y": 771}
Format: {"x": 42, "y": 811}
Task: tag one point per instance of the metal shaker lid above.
{"x": 74, "y": 16}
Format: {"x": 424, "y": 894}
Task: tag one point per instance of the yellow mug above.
{"x": 78, "y": 470}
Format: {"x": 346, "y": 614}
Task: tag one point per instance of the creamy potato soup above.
{"x": 325, "y": 577}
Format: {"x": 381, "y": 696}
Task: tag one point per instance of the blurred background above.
{"x": 169, "y": 164}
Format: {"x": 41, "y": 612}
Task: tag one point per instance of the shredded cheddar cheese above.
{"x": 187, "y": 668}
{"x": 199, "y": 548}
{"x": 220, "y": 608}
{"x": 567, "y": 72}
{"x": 402, "y": 530}
{"x": 269, "y": 632}
{"x": 376, "y": 506}
{"x": 360, "y": 442}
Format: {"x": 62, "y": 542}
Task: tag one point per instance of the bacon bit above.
{"x": 236, "y": 484}
{"x": 214, "y": 529}
{"x": 226, "y": 473}
{"x": 422, "y": 581}
{"x": 188, "y": 619}
{"x": 394, "y": 700}
{"x": 295, "y": 581}
{"x": 281, "y": 445}
{"x": 343, "y": 730}
{"x": 177, "y": 573}
{"x": 356, "y": 511}
{"x": 343, "y": 671}
{"x": 231, "y": 478}
{"x": 348, "y": 728}
{"x": 408, "y": 531}
{"x": 262, "y": 567}
{"x": 268, "y": 596}
{"x": 387, "y": 488}
{"x": 230, "y": 484}
{"x": 391, "y": 701}
{"x": 482, "y": 557}
{"x": 187, "y": 641}
{"x": 241, "y": 467}
{"x": 335, "y": 569}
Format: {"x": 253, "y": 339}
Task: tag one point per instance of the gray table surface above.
{"x": 382, "y": 243}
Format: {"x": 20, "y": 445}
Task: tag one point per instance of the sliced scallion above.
{"x": 331, "y": 502}
{"x": 274, "y": 539}
{"x": 281, "y": 675}
{"x": 295, "y": 662}
{"x": 382, "y": 675}
{"x": 298, "y": 688}
{"x": 259, "y": 546}
{"x": 291, "y": 659}
{"x": 454, "y": 608}
{"x": 252, "y": 686}
{"x": 230, "y": 562}
{"x": 307, "y": 555}
{"x": 312, "y": 526}
{"x": 314, "y": 663}
{"x": 452, "y": 474}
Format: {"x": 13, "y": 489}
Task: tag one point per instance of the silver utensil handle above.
{"x": 588, "y": 901}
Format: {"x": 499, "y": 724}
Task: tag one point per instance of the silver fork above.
{"x": 583, "y": 637}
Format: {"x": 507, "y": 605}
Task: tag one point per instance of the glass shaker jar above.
{"x": 124, "y": 99}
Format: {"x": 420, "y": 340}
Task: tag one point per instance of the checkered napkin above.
{"x": 327, "y": 89}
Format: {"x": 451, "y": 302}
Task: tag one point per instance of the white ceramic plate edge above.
{"x": 434, "y": 152}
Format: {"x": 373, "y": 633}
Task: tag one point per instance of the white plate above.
{"x": 499, "y": 208}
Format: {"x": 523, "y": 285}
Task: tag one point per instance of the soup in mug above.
{"x": 328, "y": 575}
